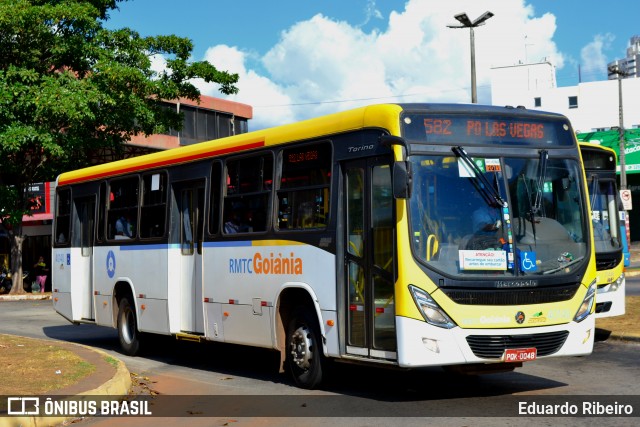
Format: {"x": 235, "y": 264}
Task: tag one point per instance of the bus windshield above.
{"x": 503, "y": 216}
{"x": 604, "y": 215}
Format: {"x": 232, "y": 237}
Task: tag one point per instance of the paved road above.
{"x": 176, "y": 368}
{"x": 633, "y": 285}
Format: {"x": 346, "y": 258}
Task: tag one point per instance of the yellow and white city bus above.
{"x": 608, "y": 228}
{"x": 356, "y": 236}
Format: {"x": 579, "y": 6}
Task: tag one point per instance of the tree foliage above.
{"x": 69, "y": 86}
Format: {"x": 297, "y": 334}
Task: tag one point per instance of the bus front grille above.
{"x": 511, "y": 296}
{"x": 493, "y": 346}
{"x": 607, "y": 262}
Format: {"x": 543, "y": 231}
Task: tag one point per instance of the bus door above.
{"x": 369, "y": 258}
{"x": 190, "y": 199}
{"x": 85, "y": 208}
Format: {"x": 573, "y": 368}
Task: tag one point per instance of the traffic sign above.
{"x": 625, "y": 196}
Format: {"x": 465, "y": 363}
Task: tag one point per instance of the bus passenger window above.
{"x": 214, "y": 199}
{"x": 122, "y": 212}
{"x": 303, "y": 196}
{"x": 154, "y": 205}
{"x": 248, "y": 190}
{"x": 63, "y": 217}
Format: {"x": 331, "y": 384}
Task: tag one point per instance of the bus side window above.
{"x": 122, "y": 212}
{"x": 63, "y": 217}
{"x": 303, "y": 194}
{"x": 154, "y": 205}
{"x": 248, "y": 189}
{"x": 214, "y": 199}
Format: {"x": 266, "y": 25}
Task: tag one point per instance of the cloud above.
{"x": 371, "y": 12}
{"x": 254, "y": 89}
{"x": 322, "y": 65}
{"x": 594, "y": 58}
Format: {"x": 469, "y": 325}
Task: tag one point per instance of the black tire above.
{"x": 128, "y": 328}
{"x": 305, "y": 359}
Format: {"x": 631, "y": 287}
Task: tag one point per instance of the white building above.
{"x": 590, "y": 106}
{"x": 629, "y": 65}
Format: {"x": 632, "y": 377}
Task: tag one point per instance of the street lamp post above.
{"x": 466, "y": 23}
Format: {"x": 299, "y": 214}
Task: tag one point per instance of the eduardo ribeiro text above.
{"x": 567, "y": 408}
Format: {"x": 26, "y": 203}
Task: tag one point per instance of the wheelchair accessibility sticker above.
{"x": 111, "y": 264}
{"x": 528, "y": 261}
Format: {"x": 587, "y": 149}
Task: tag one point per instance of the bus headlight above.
{"x": 617, "y": 283}
{"x": 430, "y": 310}
{"x": 587, "y": 303}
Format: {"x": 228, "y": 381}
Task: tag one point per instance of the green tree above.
{"x": 69, "y": 86}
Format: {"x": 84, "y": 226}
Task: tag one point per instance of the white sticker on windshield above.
{"x": 483, "y": 260}
{"x": 492, "y": 165}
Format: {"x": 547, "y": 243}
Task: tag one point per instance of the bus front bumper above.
{"x": 422, "y": 345}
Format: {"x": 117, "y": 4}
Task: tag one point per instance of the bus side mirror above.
{"x": 402, "y": 180}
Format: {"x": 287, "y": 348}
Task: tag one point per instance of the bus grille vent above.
{"x": 493, "y": 346}
{"x": 606, "y": 264}
{"x": 512, "y": 296}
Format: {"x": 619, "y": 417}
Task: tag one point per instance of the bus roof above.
{"x": 383, "y": 116}
{"x": 380, "y": 116}
{"x": 597, "y": 147}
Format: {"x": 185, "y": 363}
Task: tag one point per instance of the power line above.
{"x": 301, "y": 104}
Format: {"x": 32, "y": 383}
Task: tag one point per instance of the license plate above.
{"x": 519, "y": 354}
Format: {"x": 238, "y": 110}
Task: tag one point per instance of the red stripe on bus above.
{"x": 162, "y": 163}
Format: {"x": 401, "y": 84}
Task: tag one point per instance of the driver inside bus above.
{"x": 486, "y": 219}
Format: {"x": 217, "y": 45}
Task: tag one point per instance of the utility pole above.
{"x": 623, "y": 164}
{"x": 465, "y": 22}
{"x": 614, "y": 69}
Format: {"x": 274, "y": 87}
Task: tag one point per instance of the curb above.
{"x": 608, "y": 335}
{"x": 118, "y": 386}
{"x": 25, "y": 296}
{"x": 634, "y": 338}
{"x": 632, "y": 272}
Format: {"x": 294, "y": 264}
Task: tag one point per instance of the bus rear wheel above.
{"x": 304, "y": 351}
{"x": 127, "y": 328}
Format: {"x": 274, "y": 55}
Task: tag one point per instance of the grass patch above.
{"x": 629, "y": 323}
{"x": 111, "y": 361}
{"x": 38, "y": 366}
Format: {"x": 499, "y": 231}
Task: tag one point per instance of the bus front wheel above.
{"x": 304, "y": 350}
{"x": 127, "y": 328}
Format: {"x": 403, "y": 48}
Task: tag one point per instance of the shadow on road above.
{"x": 371, "y": 382}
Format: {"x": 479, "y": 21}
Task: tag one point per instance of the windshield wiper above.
{"x": 542, "y": 176}
{"x": 529, "y": 215}
{"x": 553, "y": 270}
{"x": 488, "y": 191}
{"x": 595, "y": 191}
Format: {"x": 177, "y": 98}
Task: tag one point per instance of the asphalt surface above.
{"x": 115, "y": 382}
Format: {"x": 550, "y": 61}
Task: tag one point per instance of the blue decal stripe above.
{"x": 144, "y": 247}
{"x": 234, "y": 244}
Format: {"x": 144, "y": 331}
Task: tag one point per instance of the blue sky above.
{"x": 303, "y": 58}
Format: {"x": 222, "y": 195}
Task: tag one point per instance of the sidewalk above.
{"x": 110, "y": 378}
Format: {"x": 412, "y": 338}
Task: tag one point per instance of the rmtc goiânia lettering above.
{"x": 273, "y": 264}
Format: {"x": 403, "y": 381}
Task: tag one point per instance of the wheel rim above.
{"x": 301, "y": 348}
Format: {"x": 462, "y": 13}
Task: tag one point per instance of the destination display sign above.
{"x": 471, "y": 130}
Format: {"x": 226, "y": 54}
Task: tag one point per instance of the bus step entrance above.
{"x": 182, "y": 336}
